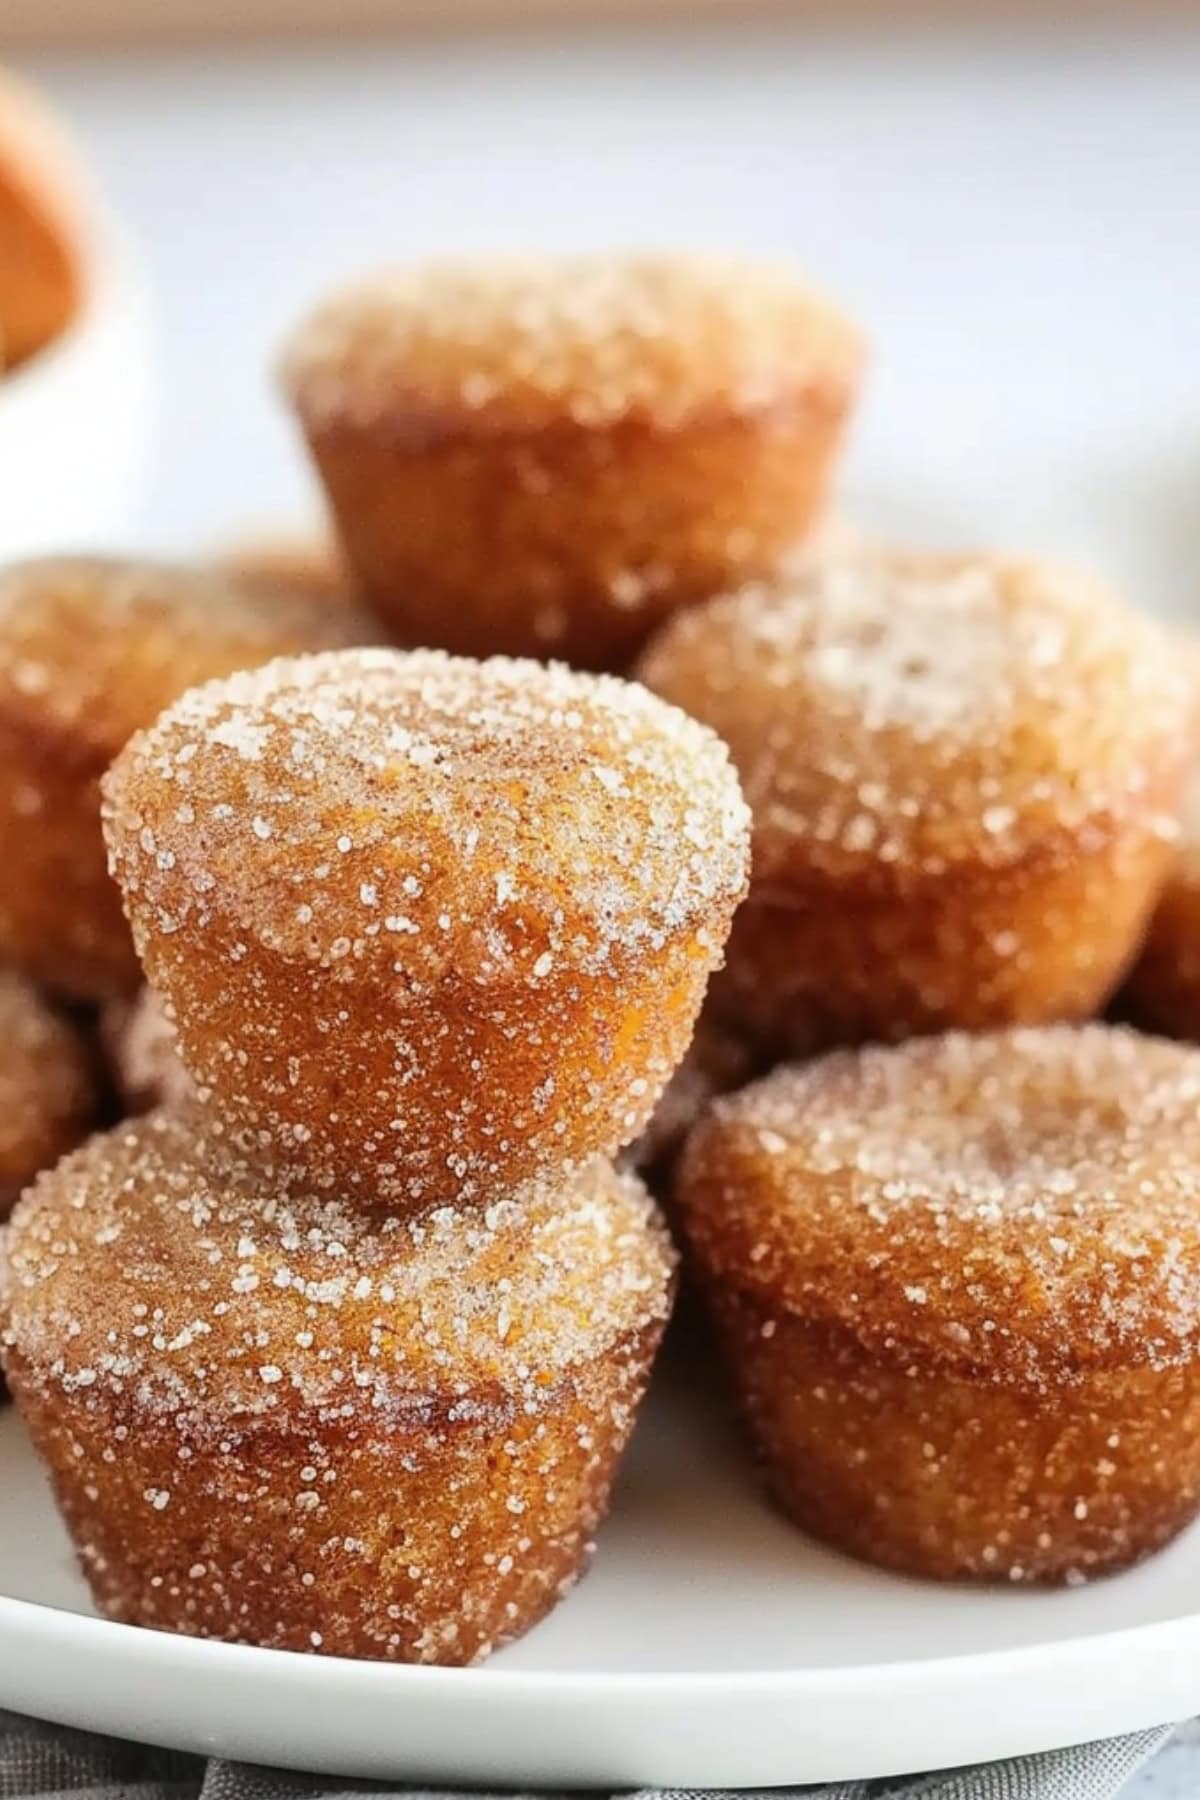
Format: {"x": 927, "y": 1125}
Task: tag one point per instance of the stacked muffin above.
{"x": 369, "y": 1312}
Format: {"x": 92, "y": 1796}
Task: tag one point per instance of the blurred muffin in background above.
{"x": 41, "y": 227}
{"x": 964, "y": 774}
{"x": 308, "y": 563}
{"x": 548, "y": 456}
{"x": 91, "y": 648}
{"x": 48, "y": 1095}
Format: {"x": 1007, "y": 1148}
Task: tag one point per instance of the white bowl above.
{"x": 75, "y": 419}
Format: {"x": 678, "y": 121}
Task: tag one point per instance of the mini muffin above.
{"x": 964, "y": 775}
{"x": 47, "y": 1087}
{"x": 958, "y": 1287}
{"x": 277, "y": 1423}
{"x": 425, "y": 926}
{"x": 309, "y": 564}
{"x": 89, "y": 650}
{"x": 42, "y": 251}
{"x": 139, "y": 1047}
{"x": 546, "y": 456}
{"x": 716, "y": 1061}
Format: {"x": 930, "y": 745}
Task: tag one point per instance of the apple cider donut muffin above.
{"x": 546, "y": 456}
{"x": 287, "y": 1424}
{"x": 427, "y": 926}
{"x": 964, "y": 775}
{"x": 89, "y": 650}
{"x": 48, "y": 1095}
{"x": 958, "y": 1287}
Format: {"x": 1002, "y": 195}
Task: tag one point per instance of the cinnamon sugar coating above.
{"x": 284, "y": 1423}
{"x": 427, "y": 927}
{"x": 546, "y": 456}
{"x": 47, "y": 1086}
{"x": 958, "y": 1283}
{"x": 90, "y": 649}
{"x": 964, "y": 775}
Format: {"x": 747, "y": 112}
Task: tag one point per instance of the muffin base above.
{"x": 356, "y": 1084}
{"x": 432, "y": 1539}
{"x": 823, "y": 963}
{"x": 570, "y": 541}
{"x": 933, "y": 1472}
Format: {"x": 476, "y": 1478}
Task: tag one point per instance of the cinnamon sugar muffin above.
{"x": 91, "y": 648}
{"x": 48, "y": 1095}
{"x": 958, "y": 1288}
{"x": 546, "y": 456}
{"x": 282, "y": 1423}
{"x": 964, "y": 774}
{"x": 427, "y": 927}
{"x": 43, "y": 230}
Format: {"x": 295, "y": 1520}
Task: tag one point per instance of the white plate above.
{"x": 711, "y": 1645}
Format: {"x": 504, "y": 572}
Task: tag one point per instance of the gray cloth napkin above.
{"x": 48, "y": 1761}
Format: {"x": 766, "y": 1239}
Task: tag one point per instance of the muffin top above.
{"x": 515, "y": 344}
{"x": 1022, "y": 1205}
{"x": 478, "y": 818}
{"x": 920, "y": 712}
{"x": 220, "y": 1297}
{"x": 93, "y": 647}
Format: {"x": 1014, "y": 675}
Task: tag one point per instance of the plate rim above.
{"x": 184, "y": 1648}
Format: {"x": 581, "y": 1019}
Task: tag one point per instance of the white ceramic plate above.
{"x": 711, "y": 1645}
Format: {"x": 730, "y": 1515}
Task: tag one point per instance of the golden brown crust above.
{"x": 48, "y": 1097}
{"x": 41, "y": 227}
{"x": 964, "y": 774}
{"x": 434, "y": 1545}
{"x": 809, "y": 965}
{"x": 278, "y": 1423}
{"x": 1020, "y": 1206}
{"x": 90, "y": 649}
{"x": 428, "y": 926}
{"x": 547, "y": 458}
{"x": 934, "y": 1475}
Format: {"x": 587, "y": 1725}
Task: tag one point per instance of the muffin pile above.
{"x": 333, "y": 1341}
{"x": 369, "y": 1308}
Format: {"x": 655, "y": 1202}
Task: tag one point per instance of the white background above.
{"x": 1013, "y": 215}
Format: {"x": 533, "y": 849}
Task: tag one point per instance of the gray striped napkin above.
{"x": 56, "y": 1764}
